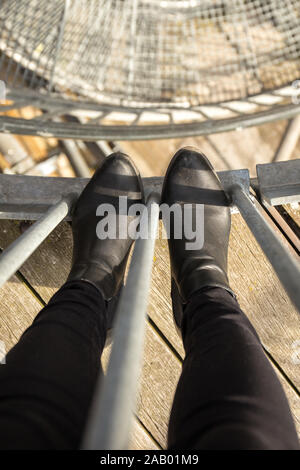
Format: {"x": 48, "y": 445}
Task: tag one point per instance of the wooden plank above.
{"x": 159, "y": 377}
{"x": 160, "y": 305}
{"x": 294, "y": 212}
{"x": 293, "y": 399}
{"x": 140, "y": 439}
{"x": 18, "y": 309}
{"x": 235, "y": 149}
{"x": 260, "y": 296}
{"x": 259, "y": 292}
{"x": 47, "y": 269}
{"x": 285, "y": 224}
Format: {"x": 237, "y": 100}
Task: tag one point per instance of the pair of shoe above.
{"x": 190, "y": 179}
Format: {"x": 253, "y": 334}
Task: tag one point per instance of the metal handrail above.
{"x": 19, "y": 251}
{"x": 94, "y": 132}
{"x": 113, "y": 406}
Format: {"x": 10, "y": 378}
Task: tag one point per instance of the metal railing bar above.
{"x": 114, "y": 399}
{"x": 279, "y": 182}
{"x": 27, "y": 197}
{"x": 76, "y": 159}
{"x": 54, "y": 113}
{"x": 14, "y": 106}
{"x": 284, "y": 264}
{"x": 282, "y": 225}
{"x": 46, "y": 101}
{"x": 288, "y": 141}
{"x": 17, "y": 252}
{"x": 136, "y": 132}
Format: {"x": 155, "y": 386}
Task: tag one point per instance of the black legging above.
{"x": 228, "y": 395}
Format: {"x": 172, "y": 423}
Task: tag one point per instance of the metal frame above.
{"x": 285, "y": 265}
{"x": 114, "y": 402}
{"x": 50, "y": 200}
{"x": 17, "y": 253}
{"x": 99, "y": 119}
{"x": 28, "y": 197}
{"x": 35, "y": 64}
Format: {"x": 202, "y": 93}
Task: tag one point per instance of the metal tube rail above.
{"x": 17, "y": 252}
{"x": 76, "y": 159}
{"x": 284, "y": 264}
{"x": 114, "y": 400}
{"x": 116, "y": 132}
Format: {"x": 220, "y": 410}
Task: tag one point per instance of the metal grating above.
{"x": 152, "y": 52}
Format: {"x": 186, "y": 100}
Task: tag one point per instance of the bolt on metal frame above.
{"x": 50, "y": 200}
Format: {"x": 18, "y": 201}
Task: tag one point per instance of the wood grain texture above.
{"x": 46, "y": 270}
{"x": 262, "y": 297}
{"x": 140, "y": 439}
{"x": 259, "y": 294}
{"x": 160, "y": 372}
{"x": 293, "y": 212}
{"x": 160, "y": 306}
{"x": 18, "y": 309}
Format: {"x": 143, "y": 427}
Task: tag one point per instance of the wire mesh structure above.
{"x": 152, "y": 62}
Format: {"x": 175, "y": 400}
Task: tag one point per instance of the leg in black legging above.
{"x": 228, "y": 396}
{"x": 47, "y": 384}
{"x": 48, "y": 380}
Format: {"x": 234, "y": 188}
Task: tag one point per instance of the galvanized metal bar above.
{"x": 285, "y": 265}
{"x": 76, "y": 158}
{"x": 115, "y": 397}
{"x": 54, "y": 101}
{"x": 12, "y": 150}
{"x": 17, "y": 253}
{"x": 286, "y": 229}
{"x": 100, "y": 149}
{"x": 289, "y": 140}
{"x": 279, "y": 182}
{"x": 146, "y": 132}
{"x": 28, "y": 197}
